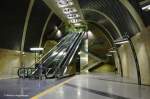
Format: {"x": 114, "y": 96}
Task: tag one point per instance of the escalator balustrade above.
{"x": 54, "y": 63}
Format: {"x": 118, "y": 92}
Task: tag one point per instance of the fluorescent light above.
{"x": 121, "y": 42}
{"x": 113, "y": 51}
{"x": 36, "y": 49}
{"x": 146, "y": 7}
{"x": 109, "y": 55}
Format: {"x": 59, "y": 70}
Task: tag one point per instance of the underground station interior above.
{"x": 75, "y": 49}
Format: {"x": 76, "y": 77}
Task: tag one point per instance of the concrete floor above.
{"x": 87, "y": 86}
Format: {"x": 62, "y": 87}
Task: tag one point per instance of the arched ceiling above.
{"x": 12, "y": 21}
{"x": 109, "y": 13}
{"x": 110, "y": 16}
{"x": 98, "y": 42}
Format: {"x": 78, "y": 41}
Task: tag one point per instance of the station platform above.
{"x": 85, "y": 86}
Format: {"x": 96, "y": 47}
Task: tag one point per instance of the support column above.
{"x": 120, "y": 63}
{"x": 78, "y": 64}
{"x": 136, "y": 60}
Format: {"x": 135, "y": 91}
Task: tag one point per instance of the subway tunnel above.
{"x": 79, "y": 49}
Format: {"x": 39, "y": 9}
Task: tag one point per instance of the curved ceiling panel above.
{"x": 99, "y": 42}
{"x": 106, "y": 32}
{"x": 115, "y": 11}
{"x": 13, "y": 13}
{"x": 101, "y": 21}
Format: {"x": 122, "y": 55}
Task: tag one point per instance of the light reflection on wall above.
{"x": 90, "y": 35}
{"x": 83, "y": 58}
{"x": 58, "y": 34}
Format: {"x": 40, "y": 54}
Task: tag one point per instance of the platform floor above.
{"x": 24, "y": 88}
{"x": 87, "y": 86}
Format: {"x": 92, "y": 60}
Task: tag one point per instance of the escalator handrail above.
{"x": 57, "y": 68}
{"x": 48, "y": 52}
{"x": 66, "y": 53}
{"x": 57, "y": 50}
{"x": 72, "y": 53}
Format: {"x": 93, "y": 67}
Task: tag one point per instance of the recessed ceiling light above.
{"x": 64, "y": 3}
{"x": 75, "y": 20}
{"x": 69, "y": 10}
{"x": 77, "y": 24}
{"x": 71, "y": 16}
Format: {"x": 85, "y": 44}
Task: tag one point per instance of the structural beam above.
{"x": 26, "y": 24}
{"x": 44, "y": 28}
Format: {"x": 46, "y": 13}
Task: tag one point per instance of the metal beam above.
{"x": 136, "y": 61}
{"x": 107, "y": 31}
{"x": 44, "y": 28}
{"x": 26, "y": 24}
{"x": 108, "y": 18}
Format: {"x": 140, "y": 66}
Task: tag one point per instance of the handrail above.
{"x": 76, "y": 37}
{"x": 57, "y": 51}
{"x": 48, "y": 52}
{"x": 70, "y": 56}
{"x": 72, "y": 46}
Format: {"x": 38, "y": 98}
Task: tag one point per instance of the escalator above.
{"x": 55, "y": 62}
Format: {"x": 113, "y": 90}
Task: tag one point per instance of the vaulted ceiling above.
{"x": 108, "y": 17}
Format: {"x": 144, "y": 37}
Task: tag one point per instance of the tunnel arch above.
{"x": 116, "y": 11}
{"x": 103, "y": 14}
{"x": 106, "y": 32}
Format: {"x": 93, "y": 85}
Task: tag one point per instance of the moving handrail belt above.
{"x": 62, "y": 54}
{"x": 55, "y": 52}
{"x": 71, "y": 54}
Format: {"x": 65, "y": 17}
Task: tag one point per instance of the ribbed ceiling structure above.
{"x": 110, "y": 14}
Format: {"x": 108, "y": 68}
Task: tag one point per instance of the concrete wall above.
{"x": 116, "y": 58}
{"x": 106, "y": 68}
{"x": 128, "y": 63}
{"x": 141, "y": 43}
{"x": 10, "y": 61}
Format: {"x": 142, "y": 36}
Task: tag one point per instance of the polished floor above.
{"x": 87, "y": 86}
{"x": 24, "y": 88}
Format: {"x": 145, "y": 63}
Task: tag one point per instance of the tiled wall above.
{"x": 10, "y": 62}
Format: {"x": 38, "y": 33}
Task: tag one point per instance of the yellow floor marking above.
{"x": 51, "y": 89}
